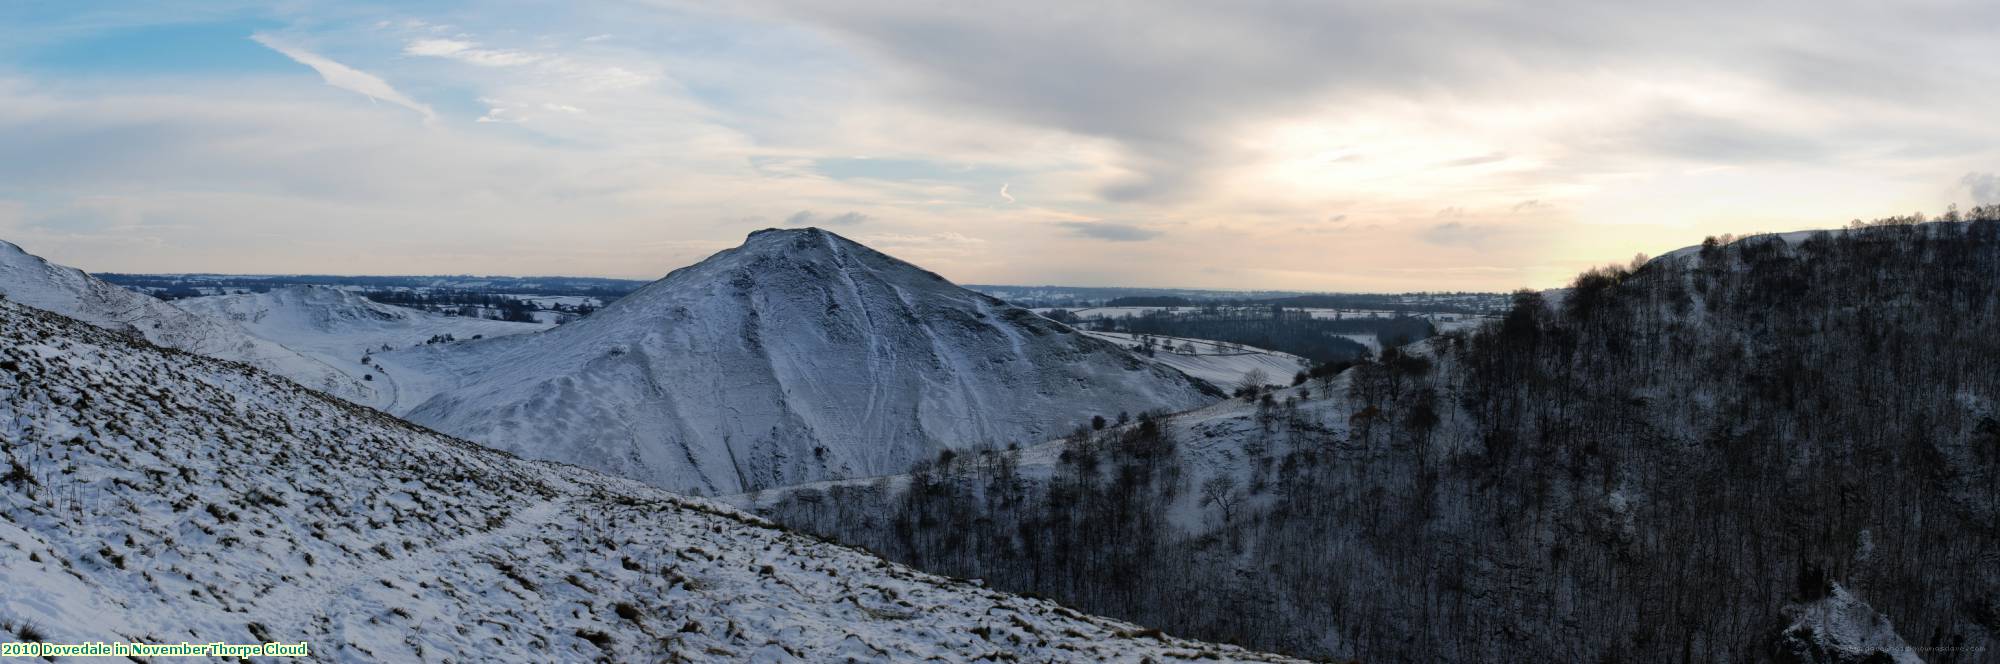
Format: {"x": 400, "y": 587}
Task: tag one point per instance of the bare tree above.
{"x": 1221, "y": 492}
{"x": 1253, "y": 380}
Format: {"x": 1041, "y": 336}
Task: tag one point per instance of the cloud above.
{"x": 1113, "y": 232}
{"x": 1474, "y": 161}
{"x": 1712, "y": 138}
{"x": 1566, "y": 87}
{"x": 436, "y": 47}
{"x": 1169, "y": 84}
{"x": 471, "y": 53}
{"x": 926, "y": 245}
{"x": 595, "y": 75}
{"x": 954, "y": 239}
{"x": 345, "y": 77}
{"x": 502, "y": 111}
{"x": 1459, "y": 234}
{"x": 1223, "y": 126}
{"x": 810, "y": 218}
{"x": 1984, "y": 187}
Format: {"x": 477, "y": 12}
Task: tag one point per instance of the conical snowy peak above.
{"x": 805, "y": 242}
{"x": 825, "y": 249}
{"x": 798, "y": 356}
{"x": 799, "y": 241}
{"x": 790, "y": 259}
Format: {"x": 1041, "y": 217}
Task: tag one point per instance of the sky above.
{"x": 1351, "y": 146}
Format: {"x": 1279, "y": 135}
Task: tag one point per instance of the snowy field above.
{"x": 1220, "y": 364}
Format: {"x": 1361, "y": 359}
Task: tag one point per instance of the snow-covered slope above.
{"x": 1839, "y": 628}
{"x": 30, "y": 280}
{"x": 1227, "y": 440}
{"x": 1219, "y": 364}
{"x": 798, "y": 356}
{"x": 342, "y": 329}
{"x": 155, "y": 496}
{"x": 1788, "y": 238}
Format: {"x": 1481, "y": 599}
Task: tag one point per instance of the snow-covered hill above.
{"x": 1654, "y": 466}
{"x": 30, "y": 280}
{"x": 796, "y": 357}
{"x": 342, "y": 328}
{"x": 155, "y": 496}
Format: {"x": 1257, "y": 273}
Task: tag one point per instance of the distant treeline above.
{"x": 1428, "y": 303}
{"x": 1151, "y": 301}
{"x": 471, "y": 305}
{"x": 175, "y": 286}
{"x": 1318, "y": 339}
{"x": 1042, "y": 297}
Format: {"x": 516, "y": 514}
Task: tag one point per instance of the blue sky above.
{"x": 1310, "y": 145}
{"x": 163, "y": 49}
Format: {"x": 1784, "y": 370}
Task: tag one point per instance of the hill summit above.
{"x": 799, "y": 356}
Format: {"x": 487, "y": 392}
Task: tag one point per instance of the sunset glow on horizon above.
{"x": 1299, "y": 146}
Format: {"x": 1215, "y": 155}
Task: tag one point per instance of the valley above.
{"x": 1503, "y": 462}
{"x": 164, "y": 497}
{"x": 1030, "y": 332}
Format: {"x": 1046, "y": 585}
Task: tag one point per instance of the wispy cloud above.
{"x": 471, "y": 53}
{"x": 810, "y": 218}
{"x": 595, "y": 75}
{"x": 1459, "y": 234}
{"x": 1474, "y": 161}
{"x": 1105, "y": 230}
{"x": 345, "y": 77}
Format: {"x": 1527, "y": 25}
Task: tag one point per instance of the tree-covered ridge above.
{"x": 1274, "y": 327}
{"x": 1651, "y": 466}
